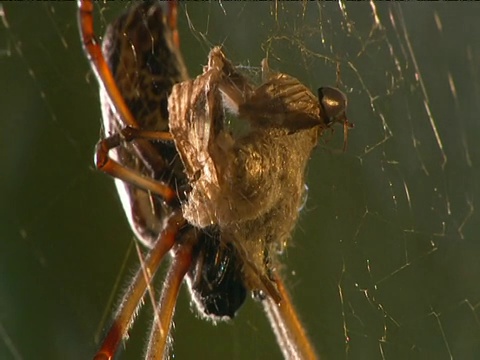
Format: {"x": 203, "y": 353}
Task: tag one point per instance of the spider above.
{"x": 222, "y": 205}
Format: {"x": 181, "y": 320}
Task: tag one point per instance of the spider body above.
{"x": 145, "y": 63}
{"x": 223, "y": 205}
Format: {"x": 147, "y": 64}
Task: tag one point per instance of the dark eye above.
{"x": 333, "y": 104}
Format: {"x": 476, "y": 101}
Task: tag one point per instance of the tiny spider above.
{"x": 222, "y": 205}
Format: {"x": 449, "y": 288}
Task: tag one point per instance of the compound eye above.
{"x": 333, "y": 104}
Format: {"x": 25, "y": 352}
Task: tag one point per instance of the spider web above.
{"x": 384, "y": 261}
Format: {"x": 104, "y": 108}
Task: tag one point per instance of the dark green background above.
{"x": 385, "y": 260}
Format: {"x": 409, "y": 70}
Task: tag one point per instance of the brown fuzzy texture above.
{"x": 250, "y": 187}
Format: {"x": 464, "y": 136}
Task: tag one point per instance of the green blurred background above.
{"x": 384, "y": 263}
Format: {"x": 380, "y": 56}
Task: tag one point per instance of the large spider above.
{"x": 222, "y": 205}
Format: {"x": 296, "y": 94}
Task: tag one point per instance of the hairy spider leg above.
{"x": 172, "y": 21}
{"x": 136, "y": 290}
{"x": 182, "y": 256}
{"x": 93, "y": 51}
{"x": 95, "y": 56}
{"x": 106, "y": 164}
{"x": 159, "y": 339}
{"x": 287, "y": 327}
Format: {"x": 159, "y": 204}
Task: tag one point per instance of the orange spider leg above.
{"x": 182, "y": 259}
{"x": 286, "y": 325}
{"x": 125, "y": 313}
{"x": 105, "y": 78}
{"x": 129, "y": 133}
{"x": 104, "y": 163}
{"x": 172, "y": 21}
{"x": 95, "y": 55}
